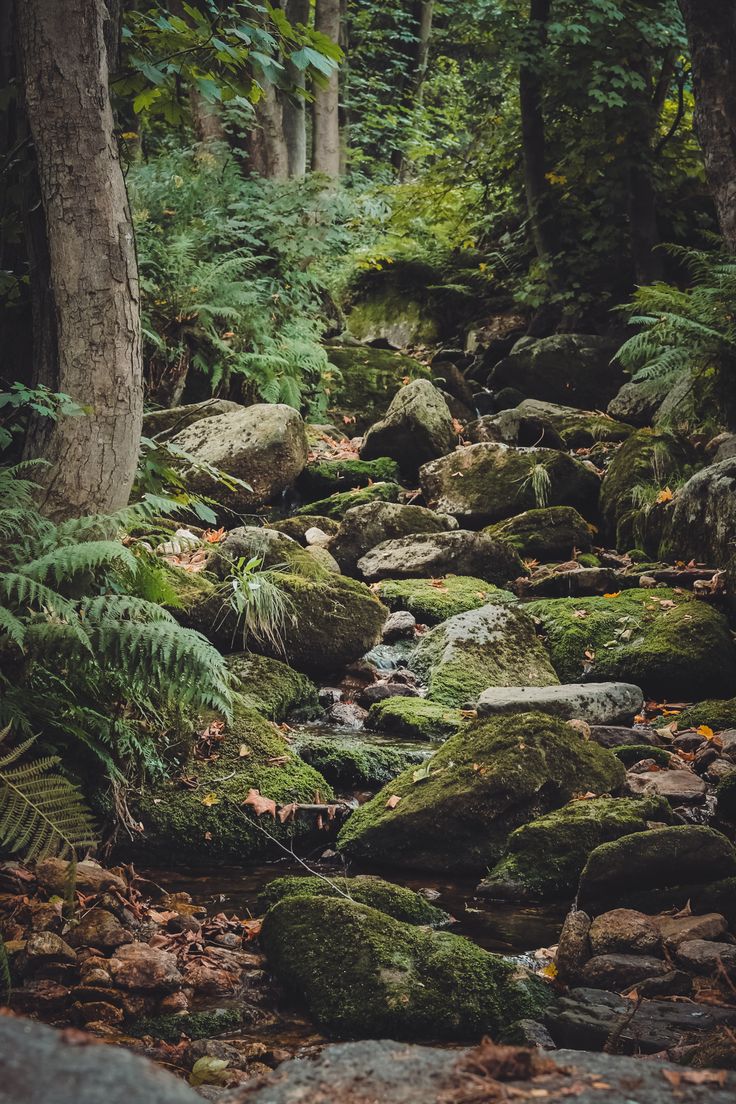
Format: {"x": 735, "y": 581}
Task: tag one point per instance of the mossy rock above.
{"x": 272, "y": 687}
{"x": 716, "y": 714}
{"x": 352, "y": 764}
{"x": 392, "y": 316}
{"x": 669, "y": 644}
{"x": 435, "y": 600}
{"x": 700, "y": 522}
{"x": 415, "y": 719}
{"x": 361, "y": 973}
{"x": 484, "y": 782}
{"x": 208, "y": 821}
{"x": 329, "y": 622}
{"x": 485, "y": 483}
{"x": 655, "y": 869}
{"x": 726, "y": 797}
{"x": 629, "y": 754}
{"x": 322, "y": 478}
{"x": 563, "y": 368}
{"x": 337, "y": 505}
{"x": 495, "y": 645}
{"x": 649, "y": 459}
{"x": 544, "y": 859}
{"x": 369, "y": 380}
{"x": 365, "y": 527}
{"x": 548, "y": 534}
{"x": 186, "y": 590}
{"x": 577, "y": 428}
{"x": 296, "y": 527}
{"x": 395, "y": 900}
{"x": 588, "y": 559}
{"x": 193, "y": 1025}
{"x": 416, "y": 428}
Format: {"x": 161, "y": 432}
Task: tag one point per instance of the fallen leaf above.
{"x": 706, "y": 731}
{"x": 613, "y": 594}
{"x": 213, "y": 536}
{"x": 244, "y": 751}
{"x": 208, "y": 1071}
{"x": 260, "y": 804}
{"x": 665, "y": 496}
{"x": 393, "y": 801}
{"x": 421, "y": 774}
{"x": 210, "y": 799}
{"x": 287, "y": 812}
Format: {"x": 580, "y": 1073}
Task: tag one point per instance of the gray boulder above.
{"x": 566, "y": 368}
{"x": 263, "y": 445}
{"x": 417, "y": 427}
{"x": 638, "y": 401}
{"x": 163, "y": 424}
{"x": 249, "y": 541}
{"x": 701, "y": 522}
{"x": 598, "y": 703}
{"x": 435, "y": 554}
{"x": 364, "y": 527}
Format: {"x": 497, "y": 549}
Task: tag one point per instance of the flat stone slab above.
{"x": 678, "y": 786}
{"x": 598, "y": 703}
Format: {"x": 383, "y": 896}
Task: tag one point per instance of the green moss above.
{"x": 415, "y": 719}
{"x": 326, "y": 477}
{"x": 726, "y": 797}
{"x": 547, "y": 534}
{"x": 395, "y": 900}
{"x": 337, "y": 505}
{"x": 491, "y": 646}
{"x": 362, "y": 973}
{"x": 188, "y": 588}
{"x": 353, "y": 764}
{"x": 434, "y": 600}
{"x": 296, "y": 527}
{"x": 716, "y": 714}
{"x": 193, "y": 1025}
{"x": 369, "y": 380}
{"x": 634, "y": 753}
{"x": 206, "y": 819}
{"x": 670, "y": 644}
{"x": 543, "y": 860}
{"x": 587, "y": 559}
{"x": 484, "y": 782}
{"x": 272, "y": 687}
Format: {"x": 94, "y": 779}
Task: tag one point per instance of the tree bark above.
{"x": 206, "y": 119}
{"x": 711, "y": 31}
{"x": 293, "y": 103}
{"x": 326, "y": 136}
{"x": 533, "y": 135}
{"x": 92, "y": 264}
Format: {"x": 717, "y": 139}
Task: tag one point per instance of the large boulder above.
{"x": 265, "y": 446}
{"x": 414, "y": 719}
{"x": 551, "y": 534}
{"x": 495, "y": 645}
{"x": 367, "y": 380}
{"x": 596, "y": 703}
{"x": 664, "y": 866}
{"x": 701, "y": 522}
{"x": 337, "y": 505}
{"x": 417, "y": 427}
{"x": 247, "y": 542}
{"x": 643, "y": 467}
{"x": 322, "y": 478}
{"x": 208, "y": 821}
{"x": 434, "y": 600}
{"x": 361, "y": 972}
{"x": 637, "y": 401}
{"x": 577, "y": 369}
{"x": 484, "y": 483}
{"x": 456, "y": 813}
{"x": 668, "y": 643}
{"x": 577, "y": 428}
{"x": 163, "y": 424}
{"x": 543, "y": 860}
{"x": 272, "y": 687}
{"x": 435, "y": 554}
{"x": 365, "y": 889}
{"x": 363, "y": 527}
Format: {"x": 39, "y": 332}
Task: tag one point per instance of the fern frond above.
{"x": 11, "y": 626}
{"x": 64, "y": 563}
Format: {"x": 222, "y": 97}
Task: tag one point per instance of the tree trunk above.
{"x": 533, "y": 136}
{"x": 206, "y": 119}
{"x": 294, "y": 105}
{"x": 326, "y": 137}
{"x": 425, "y": 16}
{"x": 270, "y": 141}
{"x": 92, "y": 263}
{"x": 711, "y": 31}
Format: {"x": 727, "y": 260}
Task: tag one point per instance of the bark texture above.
{"x": 92, "y": 265}
{"x": 711, "y": 30}
{"x": 326, "y": 118}
{"x": 294, "y": 106}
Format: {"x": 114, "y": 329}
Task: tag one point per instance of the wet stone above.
{"x": 618, "y": 971}
{"x": 624, "y": 930}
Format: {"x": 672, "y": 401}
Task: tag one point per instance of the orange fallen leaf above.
{"x": 665, "y": 496}
{"x": 393, "y": 801}
{"x": 613, "y": 594}
{"x": 706, "y": 731}
{"x": 260, "y": 804}
{"x": 287, "y": 812}
{"x": 213, "y": 536}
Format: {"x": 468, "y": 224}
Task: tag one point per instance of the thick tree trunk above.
{"x": 270, "y": 118}
{"x": 711, "y": 30}
{"x": 533, "y": 135}
{"x": 92, "y": 263}
{"x": 206, "y": 119}
{"x": 326, "y": 136}
{"x": 425, "y": 16}
{"x": 294, "y": 105}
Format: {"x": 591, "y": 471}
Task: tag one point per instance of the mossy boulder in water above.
{"x": 495, "y": 645}
{"x": 549, "y": 534}
{"x": 716, "y": 713}
{"x": 337, "y": 505}
{"x": 205, "y": 819}
{"x": 434, "y": 600}
{"x": 669, "y": 644}
{"x": 395, "y": 900}
{"x": 321, "y": 478}
{"x": 369, "y": 380}
{"x": 417, "y": 427}
{"x": 543, "y": 859}
{"x": 351, "y": 764}
{"x": 485, "y": 483}
{"x": 363, "y": 527}
{"x": 647, "y": 463}
{"x": 272, "y": 687}
{"x": 360, "y": 972}
{"x": 415, "y": 719}
{"x": 456, "y": 813}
